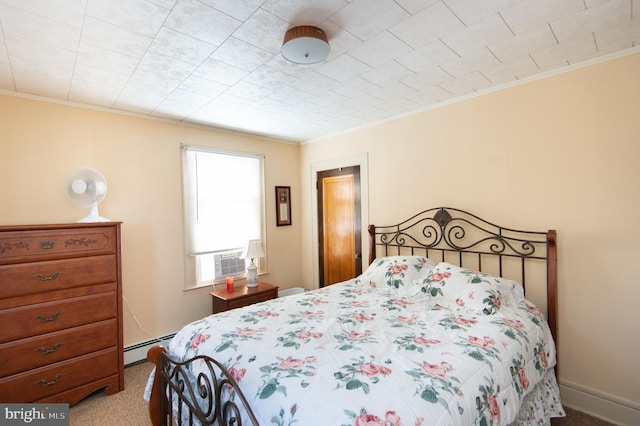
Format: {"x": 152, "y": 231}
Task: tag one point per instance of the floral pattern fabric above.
{"x": 463, "y": 289}
{"x": 349, "y": 354}
{"x": 398, "y": 273}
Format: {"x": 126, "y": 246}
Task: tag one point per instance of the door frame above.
{"x": 361, "y": 160}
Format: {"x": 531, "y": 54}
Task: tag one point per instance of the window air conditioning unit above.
{"x": 228, "y": 264}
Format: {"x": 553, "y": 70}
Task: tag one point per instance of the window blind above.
{"x": 223, "y": 199}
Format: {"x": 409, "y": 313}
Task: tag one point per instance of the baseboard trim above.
{"x": 134, "y": 354}
{"x": 599, "y": 404}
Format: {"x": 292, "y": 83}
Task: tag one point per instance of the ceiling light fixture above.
{"x": 305, "y": 45}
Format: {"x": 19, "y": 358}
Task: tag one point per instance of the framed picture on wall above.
{"x": 283, "y": 205}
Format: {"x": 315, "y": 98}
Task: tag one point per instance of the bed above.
{"x": 437, "y": 331}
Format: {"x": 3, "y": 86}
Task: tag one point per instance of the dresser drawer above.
{"x": 27, "y": 246}
{"x": 45, "y": 381}
{"x": 250, "y": 300}
{"x": 39, "y": 277}
{"x": 32, "y": 320}
{"x": 26, "y": 354}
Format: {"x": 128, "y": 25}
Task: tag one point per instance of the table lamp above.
{"x": 251, "y": 251}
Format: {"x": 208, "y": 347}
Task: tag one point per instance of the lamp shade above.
{"x": 305, "y": 45}
{"x": 252, "y": 250}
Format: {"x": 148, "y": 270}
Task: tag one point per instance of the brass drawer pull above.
{"x": 48, "y": 319}
{"x": 47, "y": 277}
{"x": 47, "y": 244}
{"x": 48, "y": 351}
{"x": 44, "y": 383}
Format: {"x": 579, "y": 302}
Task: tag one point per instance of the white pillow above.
{"x": 396, "y": 272}
{"x": 458, "y": 288}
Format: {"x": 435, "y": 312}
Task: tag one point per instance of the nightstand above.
{"x": 224, "y": 300}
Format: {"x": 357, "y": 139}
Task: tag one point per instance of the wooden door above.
{"x": 339, "y": 227}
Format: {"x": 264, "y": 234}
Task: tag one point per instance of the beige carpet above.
{"x": 128, "y": 408}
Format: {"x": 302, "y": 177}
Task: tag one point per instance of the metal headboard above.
{"x": 456, "y": 236}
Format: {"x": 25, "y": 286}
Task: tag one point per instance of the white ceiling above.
{"x": 218, "y": 62}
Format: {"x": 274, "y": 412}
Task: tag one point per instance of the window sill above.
{"x": 220, "y": 284}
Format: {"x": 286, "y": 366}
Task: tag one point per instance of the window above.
{"x": 223, "y": 209}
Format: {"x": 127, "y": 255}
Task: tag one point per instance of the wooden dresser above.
{"x": 60, "y": 312}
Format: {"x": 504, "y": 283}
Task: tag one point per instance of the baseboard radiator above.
{"x": 136, "y": 353}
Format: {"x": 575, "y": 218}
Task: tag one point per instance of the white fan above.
{"x": 86, "y": 187}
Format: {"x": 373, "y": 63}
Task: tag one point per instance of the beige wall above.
{"x": 559, "y": 153}
{"x": 40, "y": 142}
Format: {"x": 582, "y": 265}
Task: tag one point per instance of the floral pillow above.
{"x": 396, "y": 272}
{"x": 512, "y": 291}
{"x": 455, "y": 287}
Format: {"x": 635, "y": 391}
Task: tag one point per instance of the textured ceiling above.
{"x": 218, "y": 62}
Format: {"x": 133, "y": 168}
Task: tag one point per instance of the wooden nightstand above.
{"x": 242, "y": 296}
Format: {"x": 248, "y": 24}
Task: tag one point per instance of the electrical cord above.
{"x": 135, "y": 318}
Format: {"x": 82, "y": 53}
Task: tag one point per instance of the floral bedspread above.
{"x": 353, "y": 354}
